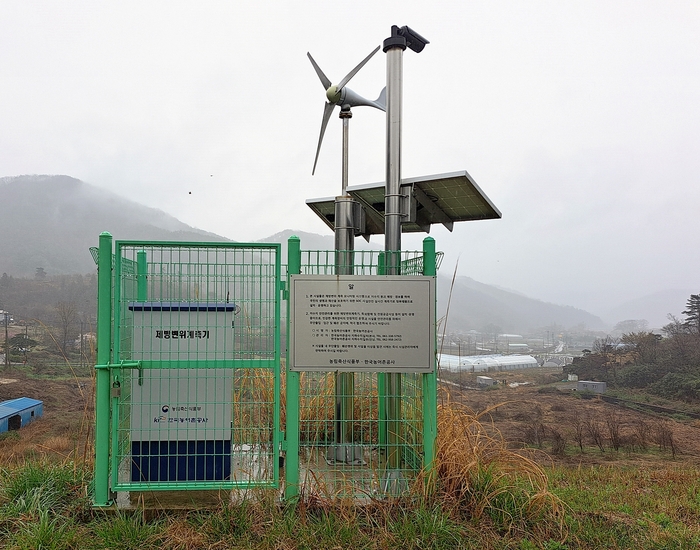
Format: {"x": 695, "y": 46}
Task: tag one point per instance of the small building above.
{"x": 522, "y": 348}
{"x": 554, "y": 362}
{"x": 592, "y": 386}
{"x": 16, "y": 413}
{"x": 485, "y": 381}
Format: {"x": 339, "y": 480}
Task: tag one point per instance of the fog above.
{"x": 579, "y": 120}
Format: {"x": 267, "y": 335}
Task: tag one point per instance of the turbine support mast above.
{"x": 393, "y": 481}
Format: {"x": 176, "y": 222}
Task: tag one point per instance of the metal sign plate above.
{"x": 181, "y": 404}
{"x": 362, "y": 323}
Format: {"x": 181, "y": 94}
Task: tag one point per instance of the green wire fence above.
{"x": 192, "y": 392}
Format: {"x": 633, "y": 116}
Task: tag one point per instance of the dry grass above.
{"x": 58, "y": 444}
{"x": 181, "y": 535}
{"x": 477, "y": 475}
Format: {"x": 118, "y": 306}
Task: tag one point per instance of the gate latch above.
{"x": 125, "y": 365}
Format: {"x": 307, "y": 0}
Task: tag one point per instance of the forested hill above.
{"x": 50, "y": 222}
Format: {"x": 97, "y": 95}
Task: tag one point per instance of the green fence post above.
{"x": 291, "y": 470}
{"x": 102, "y": 376}
{"x": 430, "y": 378}
{"x": 141, "y": 276}
{"x": 277, "y": 412}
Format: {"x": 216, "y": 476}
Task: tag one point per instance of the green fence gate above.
{"x": 188, "y": 374}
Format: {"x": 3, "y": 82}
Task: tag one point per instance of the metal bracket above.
{"x": 429, "y": 204}
{"x": 358, "y": 217}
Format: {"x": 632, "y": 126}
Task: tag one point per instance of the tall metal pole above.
{"x": 392, "y": 210}
{"x": 344, "y": 450}
{"x": 394, "y": 48}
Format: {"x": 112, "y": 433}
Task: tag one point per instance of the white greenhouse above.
{"x": 486, "y": 363}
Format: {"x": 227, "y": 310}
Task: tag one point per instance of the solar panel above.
{"x": 427, "y": 200}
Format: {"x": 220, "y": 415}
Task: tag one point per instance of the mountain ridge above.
{"x": 50, "y": 222}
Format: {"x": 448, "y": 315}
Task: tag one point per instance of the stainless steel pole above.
{"x": 392, "y": 209}
{"x": 394, "y": 47}
{"x": 344, "y": 450}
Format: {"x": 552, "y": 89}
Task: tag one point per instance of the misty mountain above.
{"x": 52, "y": 221}
{"x": 474, "y": 306}
{"x": 313, "y": 241}
{"x": 653, "y": 307}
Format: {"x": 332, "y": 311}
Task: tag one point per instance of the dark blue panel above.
{"x": 181, "y": 306}
{"x": 180, "y": 460}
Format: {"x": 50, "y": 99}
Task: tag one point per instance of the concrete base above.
{"x": 345, "y": 454}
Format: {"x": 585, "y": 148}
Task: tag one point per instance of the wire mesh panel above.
{"x": 359, "y": 436}
{"x": 351, "y": 454}
{"x": 195, "y": 402}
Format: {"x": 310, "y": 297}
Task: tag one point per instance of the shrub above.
{"x": 676, "y": 385}
{"x": 638, "y": 376}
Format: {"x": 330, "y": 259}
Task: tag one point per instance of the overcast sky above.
{"x": 580, "y": 120}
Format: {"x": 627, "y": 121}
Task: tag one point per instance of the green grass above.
{"x": 626, "y": 507}
{"x": 44, "y": 505}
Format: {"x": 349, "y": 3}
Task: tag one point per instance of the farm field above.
{"x": 534, "y": 408}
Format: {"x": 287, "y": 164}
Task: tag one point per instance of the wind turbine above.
{"x": 338, "y": 94}
{"x": 345, "y": 449}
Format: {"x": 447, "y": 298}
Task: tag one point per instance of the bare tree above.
{"x": 579, "y": 430}
{"x": 663, "y": 437}
{"x": 612, "y": 421}
{"x": 66, "y": 318}
{"x": 535, "y": 434}
{"x": 558, "y": 442}
{"x": 682, "y": 341}
{"x": 595, "y": 431}
{"x": 631, "y": 325}
{"x": 641, "y": 432}
{"x": 645, "y": 346}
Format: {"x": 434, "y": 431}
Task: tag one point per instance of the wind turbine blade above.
{"x": 354, "y": 71}
{"x": 327, "y": 110}
{"x": 324, "y": 79}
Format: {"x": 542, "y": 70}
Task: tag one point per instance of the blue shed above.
{"x": 19, "y": 412}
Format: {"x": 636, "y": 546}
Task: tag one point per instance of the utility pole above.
{"x": 7, "y": 341}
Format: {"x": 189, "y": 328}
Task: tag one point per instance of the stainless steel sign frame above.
{"x": 362, "y": 323}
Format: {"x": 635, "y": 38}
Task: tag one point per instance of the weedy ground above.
{"x": 482, "y": 494}
{"x": 515, "y": 468}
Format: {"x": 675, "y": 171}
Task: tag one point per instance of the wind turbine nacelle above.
{"x": 353, "y": 99}
{"x": 338, "y": 94}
